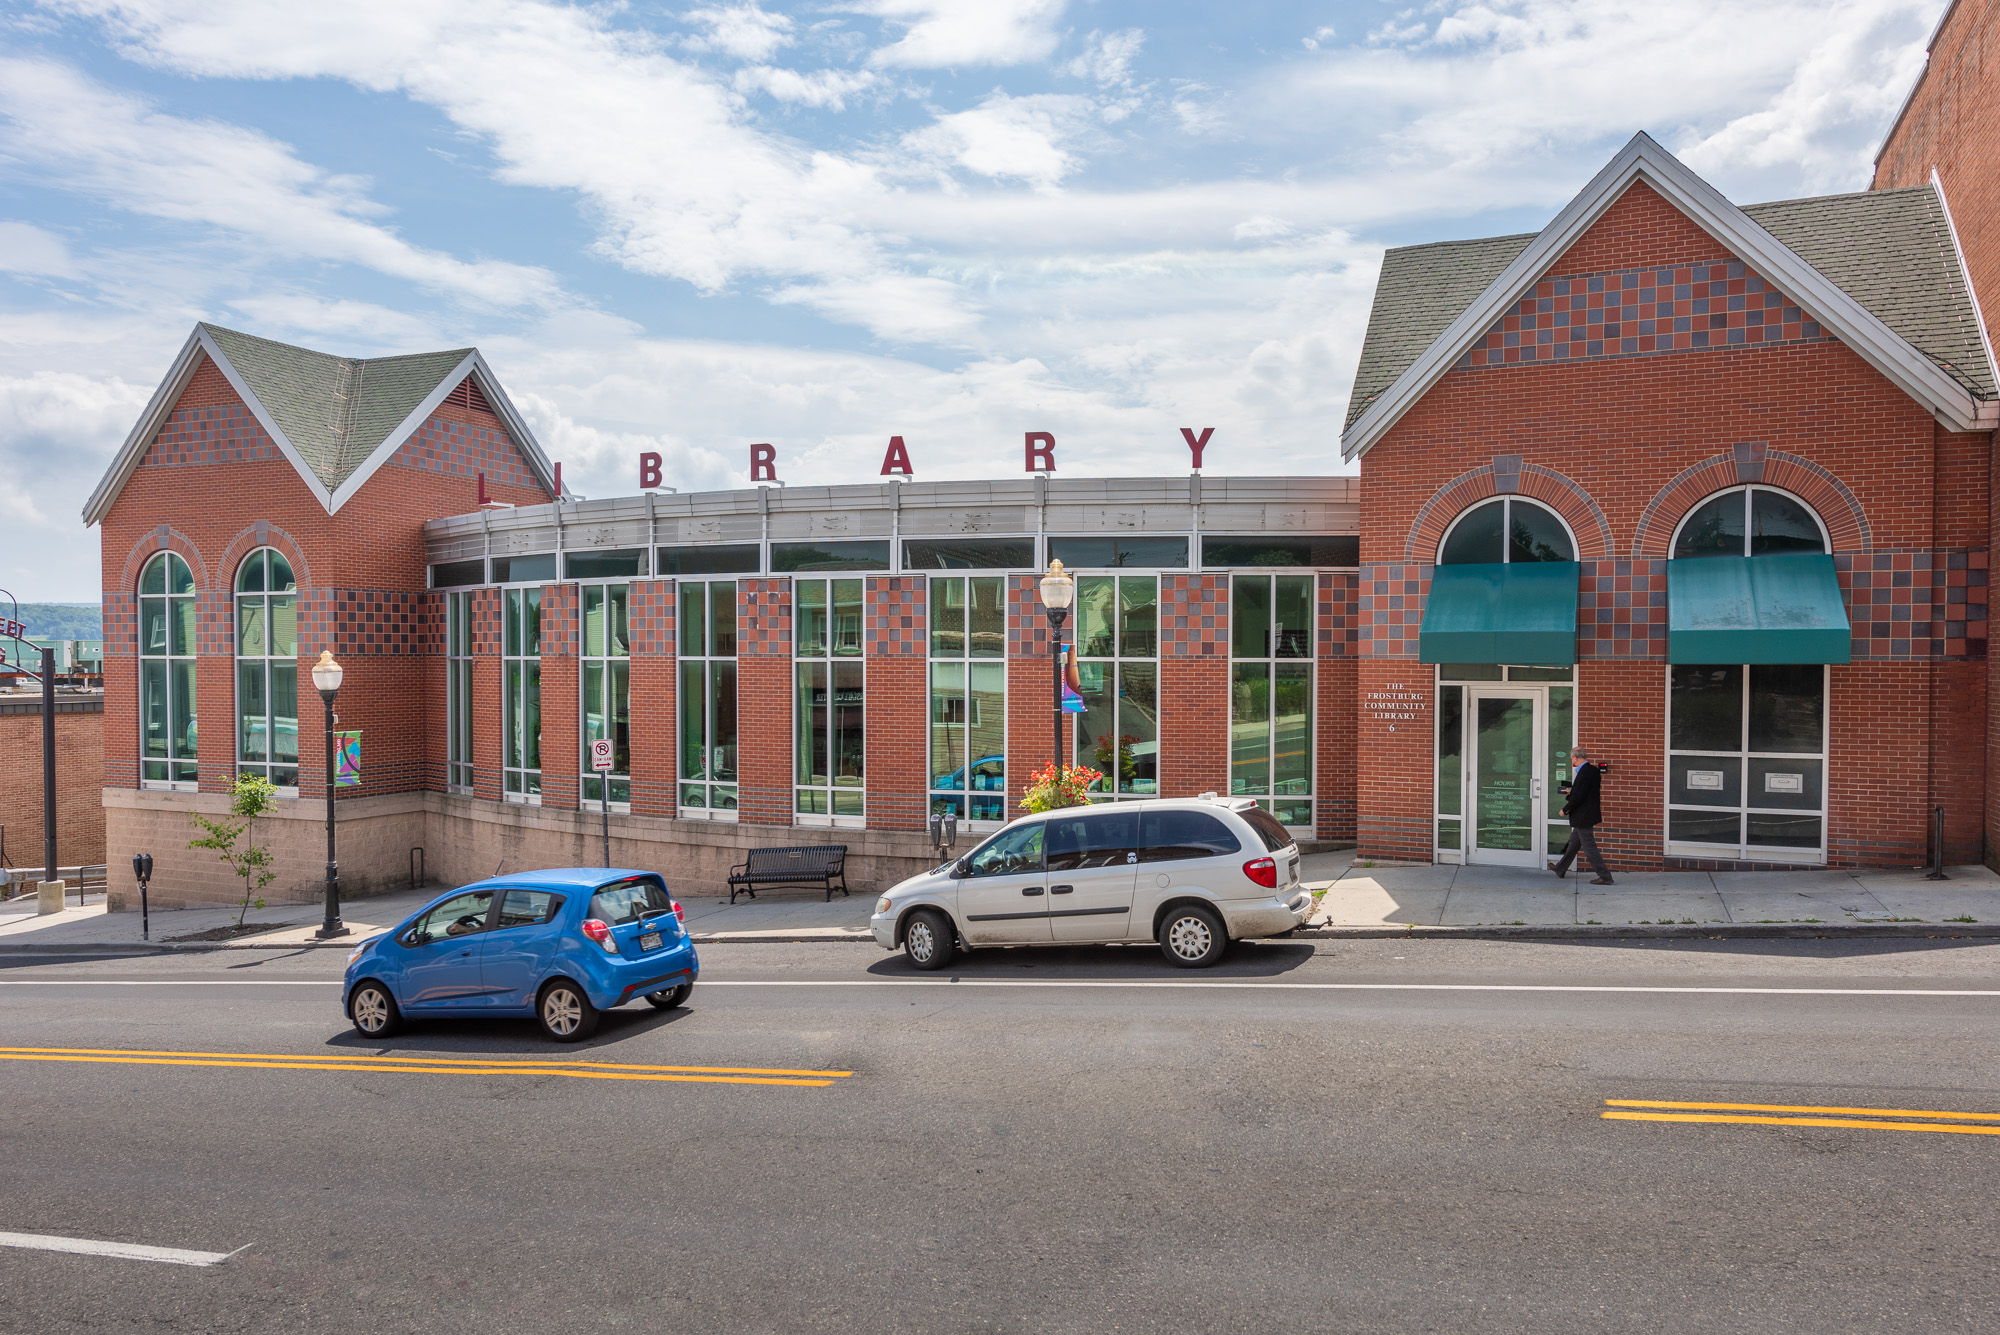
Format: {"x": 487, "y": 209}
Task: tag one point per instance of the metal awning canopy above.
{"x": 1520, "y": 612}
{"x": 1756, "y": 609}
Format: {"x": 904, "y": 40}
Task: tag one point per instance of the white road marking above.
{"x": 125, "y": 1251}
{"x": 1135, "y": 983}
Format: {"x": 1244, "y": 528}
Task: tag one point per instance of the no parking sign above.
{"x": 600, "y": 754}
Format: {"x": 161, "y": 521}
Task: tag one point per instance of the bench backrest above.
{"x": 804, "y": 860}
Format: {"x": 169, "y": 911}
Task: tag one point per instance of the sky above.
{"x": 687, "y": 228}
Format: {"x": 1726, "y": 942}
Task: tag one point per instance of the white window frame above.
{"x": 830, "y": 660}
{"x": 586, "y": 663}
{"x": 965, "y": 659}
{"x": 171, "y": 784}
{"x": 458, "y": 771}
{"x": 1745, "y": 851}
{"x": 708, "y": 658}
{"x": 1506, "y": 525}
{"x": 237, "y": 596}
{"x": 508, "y": 658}
{"x": 1116, "y": 662}
{"x": 1271, "y": 662}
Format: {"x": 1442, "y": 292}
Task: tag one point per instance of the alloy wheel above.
{"x": 371, "y": 1010}
{"x": 561, "y": 1011}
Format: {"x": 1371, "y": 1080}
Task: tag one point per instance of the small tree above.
{"x": 250, "y": 798}
{"x": 1053, "y": 787}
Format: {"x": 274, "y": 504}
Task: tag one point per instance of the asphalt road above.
{"x": 1241, "y": 1150}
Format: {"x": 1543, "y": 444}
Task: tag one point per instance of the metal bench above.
{"x": 823, "y": 865}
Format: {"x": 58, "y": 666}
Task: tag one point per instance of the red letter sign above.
{"x": 1196, "y": 444}
{"x": 649, "y": 470}
{"x": 763, "y": 463}
{"x": 897, "y": 460}
{"x": 1042, "y": 455}
{"x": 483, "y": 498}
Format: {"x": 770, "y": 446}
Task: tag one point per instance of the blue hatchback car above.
{"x": 561, "y": 945}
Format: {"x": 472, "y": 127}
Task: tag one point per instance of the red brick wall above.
{"x": 79, "y": 787}
{"x": 655, "y": 720}
{"x": 1622, "y": 446}
{"x": 764, "y": 701}
{"x": 896, "y": 732}
{"x": 214, "y": 488}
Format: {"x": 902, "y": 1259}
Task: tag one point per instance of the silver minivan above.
{"x": 1191, "y": 873}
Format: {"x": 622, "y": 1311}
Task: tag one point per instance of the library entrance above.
{"x": 1504, "y": 738}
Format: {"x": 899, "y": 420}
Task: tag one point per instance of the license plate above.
{"x": 649, "y": 941}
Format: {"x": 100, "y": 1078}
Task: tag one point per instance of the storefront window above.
{"x": 708, "y": 699}
{"x": 458, "y": 691}
{"x": 830, "y": 746}
{"x": 1507, "y": 529}
{"x": 1270, "y": 693}
{"x": 1746, "y": 768}
{"x": 267, "y": 669}
{"x": 521, "y": 694}
{"x": 968, "y": 697}
{"x": 606, "y": 669}
{"x": 166, "y": 671}
{"x": 1118, "y": 672}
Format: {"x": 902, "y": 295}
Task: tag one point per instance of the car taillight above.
{"x": 601, "y": 933}
{"x": 680, "y": 913}
{"x": 1264, "y": 871}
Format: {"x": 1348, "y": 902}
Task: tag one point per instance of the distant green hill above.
{"x": 61, "y": 621}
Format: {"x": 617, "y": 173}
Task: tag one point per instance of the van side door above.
{"x": 1002, "y": 897}
{"x": 1092, "y": 866}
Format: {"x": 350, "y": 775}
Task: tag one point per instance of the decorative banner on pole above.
{"x": 347, "y": 759}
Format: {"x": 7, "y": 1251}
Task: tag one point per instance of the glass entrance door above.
{"x": 1505, "y": 789}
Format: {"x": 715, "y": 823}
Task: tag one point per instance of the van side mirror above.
{"x": 961, "y": 868}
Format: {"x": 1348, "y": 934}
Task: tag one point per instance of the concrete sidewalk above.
{"x": 1358, "y": 899}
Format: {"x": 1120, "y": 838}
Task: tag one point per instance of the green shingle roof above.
{"x": 1890, "y": 250}
{"x": 334, "y": 410}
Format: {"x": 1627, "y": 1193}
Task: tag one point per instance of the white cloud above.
{"x": 287, "y": 314}
{"x": 120, "y": 149}
{"x": 58, "y": 430}
{"x": 743, "y": 31}
{"x": 1320, "y": 36}
{"x": 27, "y": 249}
{"x": 828, "y": 88}
{"x": 947, "y": 34}
{"x": 1017, "y": 137}
{"x": 1108, "y": 57}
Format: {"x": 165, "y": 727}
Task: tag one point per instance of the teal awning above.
{"x": 1520, "y": 612}
{"x": 1756, "y": 609}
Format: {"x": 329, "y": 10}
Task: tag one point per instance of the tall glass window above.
{"x": 1270, "y": 693}
{"x": 708, "y": 699}
{"x": 166, "y": 671}
{"x": 830, "y": 746}
{"x": 458, "y": 690}
{"x": 1118, "y": 670}
{"x": 1746, "y": 764}
{"x": 968, "y": 729}
{"x": 606, "y": 669}
{"x": 521, "y": 694}
{"x": 267, "y": 669}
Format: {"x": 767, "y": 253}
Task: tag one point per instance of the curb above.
{"x": 1718, "y": 931}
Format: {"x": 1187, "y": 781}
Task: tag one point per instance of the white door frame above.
{"x": 1538, "y": 768}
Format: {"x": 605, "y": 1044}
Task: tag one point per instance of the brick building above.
{"x": 79, "y": 782}
{"x": 1707, "y": 486}
{"x": 772, "y": 665}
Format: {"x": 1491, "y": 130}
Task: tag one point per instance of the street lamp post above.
{"x": 326, "y": 676}
{"x": 1058, "y": 589}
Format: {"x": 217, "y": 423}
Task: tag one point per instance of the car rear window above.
{"x": 628, "y": 901}
{"x": 1170, "y": 836}
{"x": 1274, "y": 835}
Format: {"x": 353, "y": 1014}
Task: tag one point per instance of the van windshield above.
{"x": 1274, "y": 835}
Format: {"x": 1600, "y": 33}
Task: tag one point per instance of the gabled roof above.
{"x": 1880, "y": 271}
{"x": 337, "y": 419}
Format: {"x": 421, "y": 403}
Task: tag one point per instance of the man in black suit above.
{"x": 1584, "y": 817}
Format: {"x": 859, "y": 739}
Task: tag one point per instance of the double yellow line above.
{"x": 580, "y": 1070}
{"x": 1860, "y": 1119}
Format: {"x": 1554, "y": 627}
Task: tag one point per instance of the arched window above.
{"x": 1506, "y": 529}
{"x": 267, "y": 668}
{"x": 1750, "y": 521}
{"x": 166, "y": 671}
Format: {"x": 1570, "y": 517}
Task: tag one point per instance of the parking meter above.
{"x": 142, "y": 871}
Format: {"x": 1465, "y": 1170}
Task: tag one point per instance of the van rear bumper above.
{"x": 1267, "y": 917}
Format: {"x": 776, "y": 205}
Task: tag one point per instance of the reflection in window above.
{"x": 458, "y": 690}
{"x": 166, "y": 671}
{"x": 267, "y": 669}
{"x": 968, "y": 697}
{"x": 521, "y": 694}
{"x": 1749, "y": 521}
{"x": 1118, "y": 676}
{"x": 708, "y": 699}
{"x": 1746, "y": 768}
{"x": 1507, "y": 529}
{"x": 606, "y": 667}
{"x": 830, "y": 745}
{"x": 1270, "y": 693}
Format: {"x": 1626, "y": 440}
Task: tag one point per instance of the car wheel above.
{"x": 565, "y": 1012}
{"x": 929, "y": 940}
{"x": 1192, "y": 937}
{"x": 374, "y": 1011}
{"x": 671, "y": 997}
